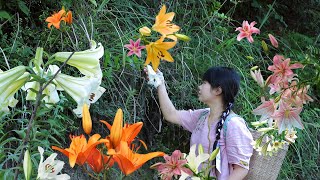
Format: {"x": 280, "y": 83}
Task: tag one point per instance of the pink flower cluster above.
{"x": 284, "y": 110}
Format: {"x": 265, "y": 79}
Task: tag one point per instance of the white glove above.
{"x": 155, "y": 79}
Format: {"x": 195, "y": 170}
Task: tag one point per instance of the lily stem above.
{"x": 33, "y": 115}
{"x": 89, "y": 173}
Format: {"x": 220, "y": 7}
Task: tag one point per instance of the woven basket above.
{"x": 265, "y": 167}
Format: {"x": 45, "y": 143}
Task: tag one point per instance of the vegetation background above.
{"x": 211, "y": 25}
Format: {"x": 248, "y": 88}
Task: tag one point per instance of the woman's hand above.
{"x": 238, "y": 173}
{"x": 155, "y": 79}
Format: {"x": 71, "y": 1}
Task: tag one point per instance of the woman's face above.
{"x": 206, "y": 94}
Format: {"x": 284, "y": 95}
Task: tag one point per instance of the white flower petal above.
{"x": 8, "y": 77}
{"x": 87, "y": 62}
{"x": 7, "y": 95}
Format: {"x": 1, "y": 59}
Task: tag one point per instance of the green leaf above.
{"x": 4, "y": 15}
{"x": 93, "y": 2}
{"x": 103, "y": 4}
{"x": 107, "y": 58}
{"x": 21, "y": 133}
{"x": 24, "y": 8}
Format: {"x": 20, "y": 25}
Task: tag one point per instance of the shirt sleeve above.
{"x": 189, "y": 118}
{"x": 238, "y": 143}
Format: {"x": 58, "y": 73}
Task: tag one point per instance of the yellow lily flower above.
{"x": 157, "y": 51}
{"x": 87, "y": 62}
{"x": 164, "y": 24}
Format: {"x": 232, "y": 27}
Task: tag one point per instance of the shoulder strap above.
{"x": 203, "y": 115}
{"x": 225, "y": 125}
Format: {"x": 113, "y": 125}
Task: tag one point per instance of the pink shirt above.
{"x": 236, "y": 149}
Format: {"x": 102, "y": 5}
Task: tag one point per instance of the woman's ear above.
{"x": 218, "y": 90}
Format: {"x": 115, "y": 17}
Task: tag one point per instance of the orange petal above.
{"x": 94, "y": 160}
{"x": 106, "y": 123}
{"x": 73, "y": 160}
{"x": 132, "y": 131}
{"x": 124, "y": 164}
{"x": 66, "y": 153}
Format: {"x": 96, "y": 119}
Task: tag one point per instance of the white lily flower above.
{"x": 8, "y": 77}
{"x": 50, "y": 168}
{"x": 7, "y": 95}
{"x": 194, "y": 161}
{"x": 50, "y": 91}
{"x": 185, "y": 176}
{"x": 87, "y": 62}
{"x": 81, "y": 89}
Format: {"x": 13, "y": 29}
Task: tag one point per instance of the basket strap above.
{"x": 225, "y": 125}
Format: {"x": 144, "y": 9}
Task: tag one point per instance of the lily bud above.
{"x": 145, "y": 31}
{"x": 86, "y": 119}
{"x": 214, "y": 154}
{"x": 200, "y": 149}
{"x": 273, "y": 41}
{"x": 265, "y": 129}
{"x": 259, "y": 123}
{"x": 264, "y": 46}
{"x": 27, "y": 165}
{"x": 250, "y": 58}
{"x": 183, "y": 37}
{"x": 256, "y": 75}
{"x": 254, "y": 68}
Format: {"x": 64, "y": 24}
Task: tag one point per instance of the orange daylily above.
{"x": 97, "y": 161}
{"x": 164, "y": 24}
{"x": 86, "y": 119}
{"x": 68, "y": 18}
{"x": 80, "y": 149}
{"x": 157, "y": 51}
{"x": 55, "y": 19}
{"x": 118, "y": 132}
{"x": 129, "y": 161}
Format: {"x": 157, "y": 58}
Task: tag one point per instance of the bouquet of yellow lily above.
{"x": 157, "y": 50}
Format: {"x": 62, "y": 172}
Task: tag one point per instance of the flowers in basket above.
{"x": 281, "y": 106}
{"x": 282, "y": 100}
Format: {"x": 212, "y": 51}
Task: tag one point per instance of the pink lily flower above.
{"x": 287, "y": 117}
{"x": 173, "y": 166}
{"x": 282, "y": 69}
{"x": 247, "y": 30}
{"x": 266, "y": 110}
{"x": 302, "y": 94}
{"x": 290, "y": 96}
{"x": 273, "y": 41}
{"x": 256, "y": 75}
{"x": 134, "y": 48}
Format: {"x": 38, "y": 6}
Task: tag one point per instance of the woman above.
{"x": 215, "y": 126}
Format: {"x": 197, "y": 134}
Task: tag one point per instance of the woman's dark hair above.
{"x": 226, "y": 78}
{"x": 229, "y": 81}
